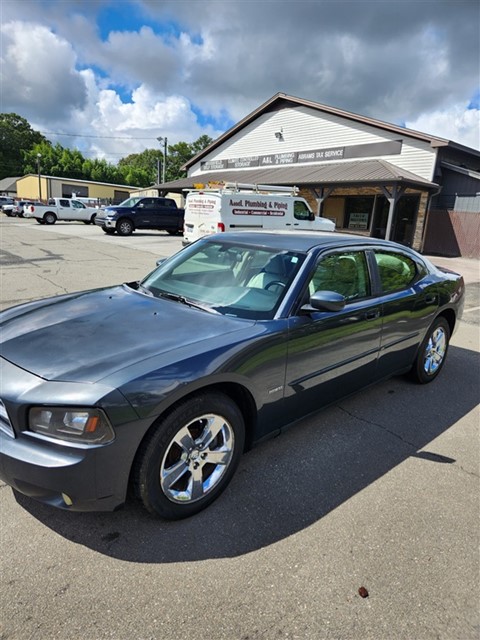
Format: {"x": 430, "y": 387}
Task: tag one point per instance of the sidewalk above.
{"x": 469, "y": 268}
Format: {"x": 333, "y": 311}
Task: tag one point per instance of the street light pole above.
{"x": 164, "y": 164}
{"x": 39, "y": 155}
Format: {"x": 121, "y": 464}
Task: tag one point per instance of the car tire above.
{"x": 92, "y": 218}
{"x": 124, "y": 227}
{"x": 181, "y": 466}
{"x": 49, "y": 218}
{"x": 432, "y": 352}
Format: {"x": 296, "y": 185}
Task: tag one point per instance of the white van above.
{"x": 236, "y": 207}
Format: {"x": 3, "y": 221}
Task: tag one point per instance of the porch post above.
{"x": 393, "y": 197}
{"x": 321, "y": 195}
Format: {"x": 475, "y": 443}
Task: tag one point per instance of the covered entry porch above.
{"x": 367, "y": 197}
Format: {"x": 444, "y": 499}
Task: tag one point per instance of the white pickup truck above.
{"x": 61, "y": 209}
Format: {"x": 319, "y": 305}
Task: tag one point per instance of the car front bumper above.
{"x": 78, "y": 477}
{"x": 105, "y": 223}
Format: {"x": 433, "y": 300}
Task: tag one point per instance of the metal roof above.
{"x": 280, "y": 100}
{"x": 8, "y": 184}
{"x": 353, "y": 173}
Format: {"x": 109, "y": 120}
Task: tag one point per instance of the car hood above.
{"x": 88, "y": 336}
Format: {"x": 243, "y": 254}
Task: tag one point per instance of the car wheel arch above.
{"x": 450, "y": 317}
{"x": 49, "y": 217}
{"x": 432, "y": 350}
{"x": 235, "y": 391}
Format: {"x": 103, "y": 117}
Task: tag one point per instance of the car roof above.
{"x": 304, "y": 241}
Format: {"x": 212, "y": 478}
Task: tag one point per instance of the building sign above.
{"x": 358, "y": 221}
{"x": 315, "y": 155}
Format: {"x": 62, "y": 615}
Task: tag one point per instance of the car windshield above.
{"x": 238, "y": 280}
{"x": 129, "y": 202}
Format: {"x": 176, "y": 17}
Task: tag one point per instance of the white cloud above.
{"x": 38, "y": 71}
{"x": 172, "y": 58}
{"x": 458, "y": 123}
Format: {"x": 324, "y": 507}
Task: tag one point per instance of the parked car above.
{"x": 61, "y": 209}
{"x": 16, "y": 209}
{"x": 137, "y": 212}
{"x": 6, "y": 202}
{"x": 161, "y": 384}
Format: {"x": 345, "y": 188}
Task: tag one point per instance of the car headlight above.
{"x": 86, "y": 425}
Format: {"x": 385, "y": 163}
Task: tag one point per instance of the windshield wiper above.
{"x": 189, "y": 303}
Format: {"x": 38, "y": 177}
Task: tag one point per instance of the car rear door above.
{"x": 332, "y": 354}
{"x": 409, "y": 299}
{"x": 164, "y": 214}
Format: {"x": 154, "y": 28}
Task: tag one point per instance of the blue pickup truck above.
{"x": 141, "y": 213}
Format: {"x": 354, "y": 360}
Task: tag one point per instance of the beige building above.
{"x": 41, "y": 187}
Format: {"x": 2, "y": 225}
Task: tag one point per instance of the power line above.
{"x": 81, "y": 135}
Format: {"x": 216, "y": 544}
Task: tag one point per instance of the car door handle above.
{"x": 372, "y": 315}
{"x": 431, "y": 298}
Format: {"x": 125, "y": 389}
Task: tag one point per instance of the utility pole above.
{"x": 164, "y": 164}
{"x": 39, "y": 155}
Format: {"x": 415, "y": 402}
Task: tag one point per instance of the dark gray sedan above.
{"x": 160, "y": 385}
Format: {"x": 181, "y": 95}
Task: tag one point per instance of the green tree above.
{"x": 16, "y": 137}
{"x": 45, "y": 156}
{"x": 180, "y": 153}
{"x": 144, "y": 165}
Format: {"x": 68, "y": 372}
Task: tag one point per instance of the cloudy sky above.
{"x": 109, "y": 77}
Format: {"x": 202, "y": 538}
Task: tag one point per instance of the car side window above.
{"x": 63, "y": 203}
{"x": 345, "y": 273}
{"x": 149, "y": 203}
{"x": 301, "y": 211}
{"x": 396, "y": 271}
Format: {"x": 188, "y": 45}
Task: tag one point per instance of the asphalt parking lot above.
{"x": 380, "y": 491}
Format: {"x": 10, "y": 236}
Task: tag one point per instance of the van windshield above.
{"x": 245, "y": 281}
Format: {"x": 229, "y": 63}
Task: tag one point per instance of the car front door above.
{"x": 145, "y": 213}
{"x": 333, "y": 353}
{"x": 65, "y": 211}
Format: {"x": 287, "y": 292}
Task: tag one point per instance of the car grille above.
{"x": 5, "y": 424}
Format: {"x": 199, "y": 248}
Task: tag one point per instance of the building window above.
{"x": 72, "y": 190}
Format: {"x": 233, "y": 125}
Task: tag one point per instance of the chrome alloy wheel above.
{"x": 197, "y": 458}
{"x": 435, "y": 351}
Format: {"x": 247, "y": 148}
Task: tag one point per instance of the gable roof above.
{"x": 282, "y": 100}
{"x": 8, "y": 184}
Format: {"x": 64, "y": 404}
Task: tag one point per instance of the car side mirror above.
{"x": 324, "y": 301}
